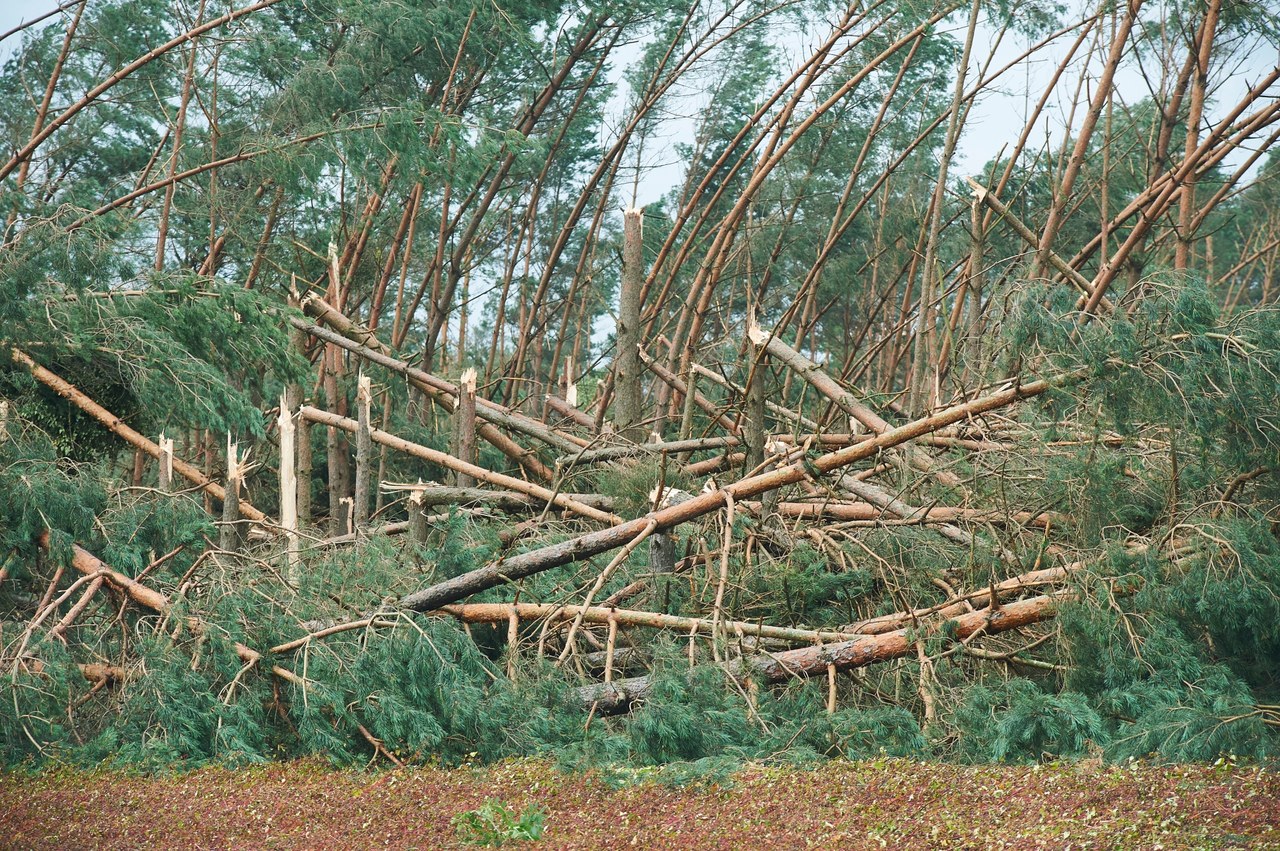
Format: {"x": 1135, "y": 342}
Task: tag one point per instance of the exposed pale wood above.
{"x": 843, "y": 655}
{"x": 229, "y": 537}
{"x": 585, "y": 546}
{"x": 166, "y": 464}
{"x": 118, "y": 427}
{"x": 465, "y": 426}
{"x": 445, "y": 460}
{"x": 288, "y": 488}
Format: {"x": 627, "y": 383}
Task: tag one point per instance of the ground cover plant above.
{"x": 353, "y": 409}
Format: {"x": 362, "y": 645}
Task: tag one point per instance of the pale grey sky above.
{"x": 995, "y": 121}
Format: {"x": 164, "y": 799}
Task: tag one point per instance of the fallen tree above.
{"x": 594, "y": 543}
{"x": 621, "y": 695}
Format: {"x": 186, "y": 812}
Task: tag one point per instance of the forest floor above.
{"x": 891, "y": 804}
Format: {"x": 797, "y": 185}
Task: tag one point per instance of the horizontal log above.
{"x": 500, "y": 612}
{"x": 612, "y": 453}
{"x": 435, "y": 456}
{"x": 861, "y": 652}
{"x": 117, "y": 426}
{"x": 505, "y": 500}
{"x": 594, "y": 543}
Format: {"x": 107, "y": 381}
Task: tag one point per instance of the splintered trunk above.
{"x": 165, "y": 478}
{"x": 288, "y": 488}
{"x": 465, "y": 427}
{"x": 628, "y": 416}
{"x": 302, "y": 452}
{"x": 229, "y": 537}
{"x": 364, "y": 452}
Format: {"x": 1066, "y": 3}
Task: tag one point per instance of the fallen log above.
{"x": 116, "y": 426}
{"x": 818, "y": 378}
{"x": 936, "y": 514}
{"x": 621, "y": 695}
{"x": 90, "y": 565}
{"x": 500, "y": 612}
{"x": 510, "y": 501}
{"x": 613, "y": 453}
{"x": 435, "y": 456}
{"x": 594, "y": 543}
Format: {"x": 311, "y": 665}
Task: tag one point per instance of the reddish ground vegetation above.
{"x": 888, "y": 804}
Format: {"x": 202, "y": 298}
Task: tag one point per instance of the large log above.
{"x": 500, "y": 612}
{"x": 620, "y": 695}
{"x": 444, "y": 459}
{"x": 117, "y": 426}
{"x": 594, "y": 543}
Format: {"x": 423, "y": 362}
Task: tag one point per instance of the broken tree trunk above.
{"x": 288, "y": 488}
{"x": 594, "y": 543}
{"x": 465, "y": 426}
{"x": 303, "y": 454}
{"x": 445, "y": 460}
{"x": 601, "y": 615}
{"x": 165, "y": 478}
{"x": 229, "y": 537}
{"x": 364, "y": 452}
{"x": 117, "y": 426}
{"x": 628, "y": 414}
{"x": 431, "y": 495}
{"x": 618, "y": 696}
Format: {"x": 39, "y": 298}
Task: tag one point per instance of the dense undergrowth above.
{"x": 1167, "y": 648}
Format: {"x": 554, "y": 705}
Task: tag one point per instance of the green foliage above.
{"x": 1017, "y": 721}
{"x": 494, "y": 823}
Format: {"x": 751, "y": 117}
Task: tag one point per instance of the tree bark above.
{"x": 594, "y": 543}
{"x": 629, "y": 415}
{"x": 117, "y": 426}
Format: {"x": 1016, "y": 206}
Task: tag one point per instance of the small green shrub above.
{"x": 494, "y": 823}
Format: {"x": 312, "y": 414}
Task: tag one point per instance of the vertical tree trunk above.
{"x": 229, "y": 535}
{"x": 364, "y": 452}
{"x": 303, "y": 454}
{"x": 288, "y": 489}
{"x": 417, "y": 517}
{"x": 166, "y": 464}
{"x": 465, "y": 426}
{"x": 627, "y": 412}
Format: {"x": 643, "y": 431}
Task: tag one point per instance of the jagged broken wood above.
{"x": 435, "y": 456}
{"x": 594, "y": 543}
{"x": 118, "y": 427}
{"x": 620, "y": 695}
